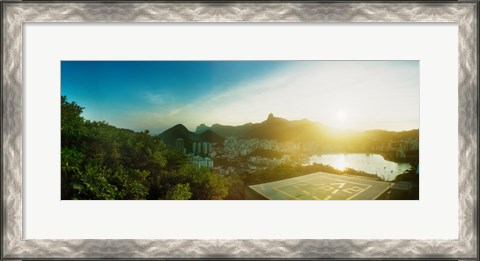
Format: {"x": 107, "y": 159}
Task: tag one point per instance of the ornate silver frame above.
{"x": 14, "y": 13}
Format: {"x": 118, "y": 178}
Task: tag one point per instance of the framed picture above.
{"x": 153, "y": 130}
{"x": 327, "y": 148}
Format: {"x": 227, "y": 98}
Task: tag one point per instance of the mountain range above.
{"x": 280, "y": 129}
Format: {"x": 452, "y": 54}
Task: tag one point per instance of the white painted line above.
{"x": 340, "y": 185}
{"x": 361, "y": 191}
{"x": 381, "y": 192}
{"x": 259, "y": 192}
{"x": 350, "y": 177}
{"x": 363, "y": 184}
{"x": 287, "y": 185}
{"x": 281, "y": 191}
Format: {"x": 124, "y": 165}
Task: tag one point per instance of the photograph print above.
{"x": 240, "y": 130}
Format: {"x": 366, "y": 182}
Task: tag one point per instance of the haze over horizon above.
{"x": 156, "y": 95}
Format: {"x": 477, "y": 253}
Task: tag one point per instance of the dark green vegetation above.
{"x": 100, "y": 161}
{"x": 410, "y": 176}
{"x": 266, "y": 153}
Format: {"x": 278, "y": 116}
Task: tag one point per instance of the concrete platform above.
{"x": 322, "y": 186}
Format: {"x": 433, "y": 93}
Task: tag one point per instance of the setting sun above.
{"x": 341, "y": 116}
{"x": 341, "y": 119}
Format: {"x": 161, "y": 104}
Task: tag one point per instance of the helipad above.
{"x": 323, "y": 186}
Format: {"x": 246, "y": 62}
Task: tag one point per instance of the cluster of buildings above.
{"x": 234, "y": 147}
{"x": 262, "y": 161}
{"x": 202, "y": 148}
{"x": 236, "y": 153}
{"x": 404, "y": 145}
{"x": 399, "y": 148}
{"x": 179, "y": 145}
{"x": 201, "y": 155}
{"x": 199, "y": 162}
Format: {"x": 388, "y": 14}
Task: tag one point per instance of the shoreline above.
{"x": 412, "y": 159}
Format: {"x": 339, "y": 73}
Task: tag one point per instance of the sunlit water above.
{"x": 369, "y": 163}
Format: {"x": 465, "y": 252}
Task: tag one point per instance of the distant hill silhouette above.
{"x": 280, "y": 129}
{"x": 227, "y": 131}
{"x": 201, "y": 128}
{"x": 393, "y": 135}
{"x": 274, "y": 128}
{"x": 211, "y": 136}
{"x": 284, "y": 130}
{"x": 170, "y": 136}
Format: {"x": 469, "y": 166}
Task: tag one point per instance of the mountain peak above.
{"x": 270, "y": 116}
{"x": 201, "y": 128}
{"x": 179, "y": 126}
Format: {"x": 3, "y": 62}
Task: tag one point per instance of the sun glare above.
{"x": 341, "y": 119}
{"x": 340, "y": 163}
{"x": 341, "y": 116}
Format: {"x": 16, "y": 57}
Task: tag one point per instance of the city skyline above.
{"x": 156, "y": 95}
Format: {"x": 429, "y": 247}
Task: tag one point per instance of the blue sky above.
{"x": 156, "y": 95}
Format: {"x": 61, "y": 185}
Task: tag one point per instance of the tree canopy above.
{"x": 101, "y": 161}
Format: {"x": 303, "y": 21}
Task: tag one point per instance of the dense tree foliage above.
{"x": 100, "y": 161}
{"x": 412, "y": 177}
{"x": 266, "y": 153}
